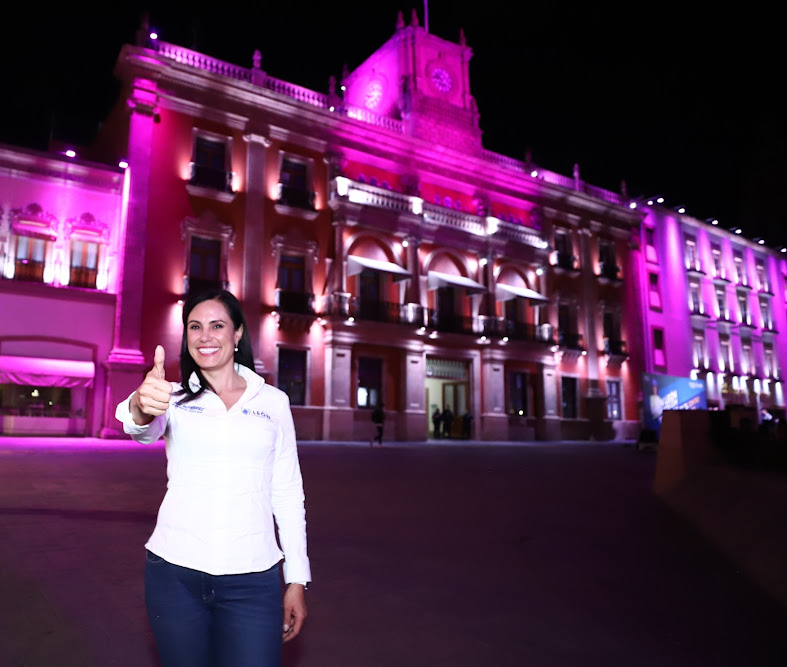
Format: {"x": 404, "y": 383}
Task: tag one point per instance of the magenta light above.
{"x": 123, "y": 164}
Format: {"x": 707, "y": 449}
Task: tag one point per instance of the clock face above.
{"x": 441, "y": 79}
{"x": 373, "y": 95}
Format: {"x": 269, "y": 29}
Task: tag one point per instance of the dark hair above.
{"x": 244, "y": 355}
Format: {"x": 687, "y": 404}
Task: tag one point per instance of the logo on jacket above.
{"x": 256, "y": 413}
{"x": 190, "y": 408}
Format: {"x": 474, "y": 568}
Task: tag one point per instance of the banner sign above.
{"x": 666, "y": 392}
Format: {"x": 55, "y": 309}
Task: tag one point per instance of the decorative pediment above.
{"x": 88, "y": 228}
{"x": 208, "y": 226}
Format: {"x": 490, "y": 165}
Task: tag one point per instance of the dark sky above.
{"x": 675, "y": 102}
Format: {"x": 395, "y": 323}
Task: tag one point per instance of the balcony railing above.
{"x": 301, "y": 303}
{"x": 210, "y": 177}
{"x": 570, "y": 341}
{"x": 82, "y": 277}
{"x": 615, "y": 347}
{"x": 296, "y": 197}
{"x": 566, "y": 261}
{"x": 388, "y": 312}
{"x": 460, "y": 324}
{"x": 28, "y": 269}
{"x": 609, "y": 270}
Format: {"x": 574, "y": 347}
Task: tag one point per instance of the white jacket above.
{"x": 230, "y": 473}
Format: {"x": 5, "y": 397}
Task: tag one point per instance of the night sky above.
{"x": 685, "y": 105}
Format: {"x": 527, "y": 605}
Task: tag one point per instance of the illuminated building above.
{"x": 713, "y": 308}
{"x": 61, "y": 252}
{"x": 381, "y": 253}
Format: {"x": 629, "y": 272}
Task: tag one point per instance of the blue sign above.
{"x": 666, "y": 392}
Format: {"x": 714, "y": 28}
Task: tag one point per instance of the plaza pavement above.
{"x": 423, "y": 555}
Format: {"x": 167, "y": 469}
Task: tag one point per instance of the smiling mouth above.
{"x": 208, "y": 350}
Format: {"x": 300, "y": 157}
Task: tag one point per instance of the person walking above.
{"x": 212, "y": 584}
{"x": 378, "y": 418}
{"x": 448, "y": 420}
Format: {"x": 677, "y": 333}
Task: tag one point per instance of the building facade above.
{"x": 713, "y": 308}
{"x": 61, "y": 254}
{"x": 382, "y": 254}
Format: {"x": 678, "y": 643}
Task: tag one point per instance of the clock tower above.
{"x": 422, "y": 80}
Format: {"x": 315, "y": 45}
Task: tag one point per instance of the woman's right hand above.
{"x": 151, "y": 398}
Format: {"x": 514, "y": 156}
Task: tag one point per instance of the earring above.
{"x": 236, "y": 347}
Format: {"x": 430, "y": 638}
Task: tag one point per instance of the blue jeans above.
{"x": 203, "y": 620}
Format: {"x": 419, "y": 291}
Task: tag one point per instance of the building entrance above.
{"x": 448, "y": 393}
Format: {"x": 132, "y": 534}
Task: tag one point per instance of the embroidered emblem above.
{"x": 190, "y": 408}
{"x": 256, "y": 413}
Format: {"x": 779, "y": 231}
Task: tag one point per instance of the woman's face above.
{"x": 210, "y": 335}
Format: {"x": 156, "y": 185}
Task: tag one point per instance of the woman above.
{"x": 212, "y": 587}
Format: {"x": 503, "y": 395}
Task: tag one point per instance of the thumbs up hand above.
{"x": 152, "y": 397}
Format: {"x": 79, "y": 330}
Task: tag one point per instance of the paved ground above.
{"x": 423, "y": 555}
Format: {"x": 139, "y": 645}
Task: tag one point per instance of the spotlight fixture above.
{"x": 71, "y": 153}
{"x": 123, "y": 164}
{"x": 759, "y": 240}
{"x": 153, "y": 35}
{"x": 712, "y": 221}
{"x": 655, "y": 200}
{"x": 680, "y": 209}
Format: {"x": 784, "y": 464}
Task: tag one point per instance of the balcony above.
{"x": 615, "y": 347}
{"x": 28, "y": 269}
{"x": 565, "y": 262}
{"x": 693, "y": 269}
{"x": 572, "y": 345}
{"x": 699, "y": 317}
{"x": 210, "y": 177}
{"x": 295, "y": 310}
{"x": 294, "y": 197}
{"x": 525, "y": 331}
{"x": 82, "y": 277}
{"x": 387, "y": 312}
{"x": 609, "y": 272}
{"x": 458, "y": 324}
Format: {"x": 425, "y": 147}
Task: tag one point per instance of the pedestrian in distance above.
{"x": 448, "y": 421}
{"x": 212, "y": 585}
{"x": 436, "y": 421}
{"x": 378, "y": 418}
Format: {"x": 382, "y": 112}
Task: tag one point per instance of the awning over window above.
{"x": 34, "y": 371}
{"x": 356, "y": 264}
{"x": 437, "y": 279}
{"x": 506, "y": 292}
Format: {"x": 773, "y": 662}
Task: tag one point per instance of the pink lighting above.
{"x": 123, "y": 164}
{"x": 154, "y": 35}
{"x": 71, "y": 153}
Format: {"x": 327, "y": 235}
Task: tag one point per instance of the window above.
{"x": 517, "y": 394}
{"x": 291, "y": 273}
{"x": 207, "y": 244}
{"x": 768, "y": 362}
{"x": 31, "y": 255}
{"x": 204, "y": 264}
{"x": 292, "y": 374}
{"x": 747, "y": 359}
{"x": 718, "y": 268}
{"x": 295, "y": 183}
{"x": 568, "y": 397}
{"x": 743, "y": 304}
{"x": 614, "y": 410}
{"x": 659, "y": 358}
{"x": 209, "y": 168}
{"x": 607, "y": 262}
{"x": 765, "y": 314}
{"x": 740, "y": 275}
{"x": 564, "y": 256}
{"x": 655, "y": 291}
{"x": 692, "y": 258}
{"x": 36, "y": 401}
{"x": 725, "y": 360}
{"x": 370, "y": 382}
{"x": 650, "y": 244}
{"x": 721, "y": 301}
{"x": 695, "y": 300}
{"x": 84, "y": 264}
{"x": 698, "y": 352}
{"x": 762, "y": 279}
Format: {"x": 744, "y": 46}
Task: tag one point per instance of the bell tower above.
{"x": 422, "y": 80}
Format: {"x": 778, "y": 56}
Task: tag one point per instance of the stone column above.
{"x": 413, "y": 292}
{"x": 547, "y": 416}
{"x": 338, "y": 414}
{"x": 126, "y": 364}
{"x": 254, "y": 237}
{"x": 494, "y": 421}
{"x": 412, "y": 420}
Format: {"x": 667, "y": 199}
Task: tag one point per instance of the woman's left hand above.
{"x": 294, "y": 611}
